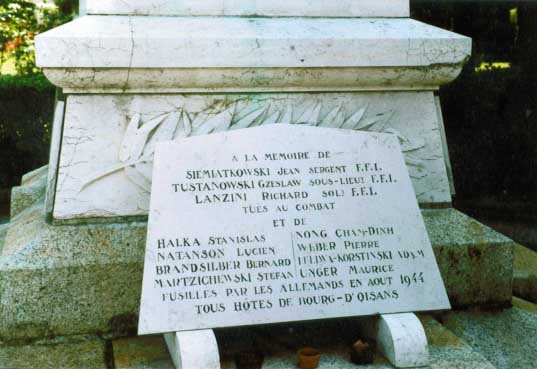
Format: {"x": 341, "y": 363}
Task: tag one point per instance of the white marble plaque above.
{"x": 283, "y": 223}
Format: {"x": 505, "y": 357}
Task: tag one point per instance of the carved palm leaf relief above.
{"x": 136, "y": 153}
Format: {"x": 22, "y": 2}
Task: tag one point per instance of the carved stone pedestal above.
{"x": 137, "y": 73}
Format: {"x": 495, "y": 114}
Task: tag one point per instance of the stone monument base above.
{"x": 86, "y": 278}
{"x": 470, "y": 340}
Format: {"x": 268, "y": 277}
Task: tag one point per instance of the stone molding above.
{"x": 188, "y": 54}
{"x": 267, "y": 8}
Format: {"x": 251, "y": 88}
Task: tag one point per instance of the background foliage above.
{"x": 26, "y": 97}
{"x": 20, "y": 21}
{"x": 26, "y": 107}
{"x": 490, "y": 111}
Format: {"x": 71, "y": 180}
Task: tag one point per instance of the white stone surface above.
{"x": 332, "y": 8}
{"x": 249, "y": 80}
{"x": 255, "y": 226}
{"x": 34, "y": 175}
{"x": 157, "y": 54}
{"x": 445, "y": 149}
{"x": 401, "y": 338}
{"x": 238, "y": 42}
{"x": 82, "y": 8}
{"x": 98, "y": 176}
{"x": 54, "y": 156}
{"x": 193, "y": 349}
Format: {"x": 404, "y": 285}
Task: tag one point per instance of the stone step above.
{"x": 34, "y": 175}
{"x": 506, "y": 338}
{"x": 475, "y": 261}
{"x": 150, "y": 352}
{"x": 32, "y": 189}
{"x": 525, "y": 305}
{"x": 60, "y": 281}
{"x": 3, "y": 232}
{"x": 82, "y": 352}
{"x": 470, "y": 340}
{"x": 525, "y": 274}
{"x": 67, "y": 280}
{"x": 446, "y": 350}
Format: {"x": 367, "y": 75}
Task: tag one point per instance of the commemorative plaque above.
{"x": 283, "y": 223}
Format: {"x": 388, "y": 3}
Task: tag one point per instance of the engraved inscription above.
{"x": 287, "y": 223}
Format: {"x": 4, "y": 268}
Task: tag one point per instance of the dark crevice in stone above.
{"x": 109, "y": 355}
